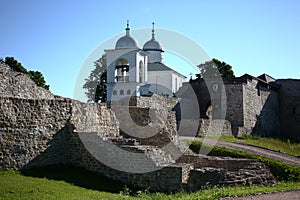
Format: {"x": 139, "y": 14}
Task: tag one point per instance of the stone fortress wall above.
{"x": 289, "y": 107}
{"x": 39, "y": 129}
{"x": 254, "y": 106}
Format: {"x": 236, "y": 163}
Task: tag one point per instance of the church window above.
{"x": 121, "y": 92}
{"x": 115, "y": 92}
{"x": 122, "y": 70}
{"x": 141, "y": 72}
{"x": 128, "y": 92}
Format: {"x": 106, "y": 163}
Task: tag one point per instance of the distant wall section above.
{"x": 289, "y": 104}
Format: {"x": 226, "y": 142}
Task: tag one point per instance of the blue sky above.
{"x": 55, "y": 37}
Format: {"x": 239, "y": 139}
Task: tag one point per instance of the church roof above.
{"x": 153, "y": 44}
{"x": 127, "y": 42}
{"x": 157, "y": 66}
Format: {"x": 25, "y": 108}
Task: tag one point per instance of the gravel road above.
{"x": 289, "y": 195}
{"x": 293, "y": 160}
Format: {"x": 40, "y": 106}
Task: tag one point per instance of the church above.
{"x": 133, "y": 71}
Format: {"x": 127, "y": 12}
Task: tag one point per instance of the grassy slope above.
{"x": 276, "y": 144}
{"x": 74, "y": 183}
{"x": 14, "y": 185}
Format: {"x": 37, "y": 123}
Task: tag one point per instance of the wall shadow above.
{"x": 267, "y": 122}
{"x": 55, "y": 163}
{"x": 76, "y": 176}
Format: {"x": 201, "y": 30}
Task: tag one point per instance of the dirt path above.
{"x": 293, "y": 160}
{"x": 291, "y": 195}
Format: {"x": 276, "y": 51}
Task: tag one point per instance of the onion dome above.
{"x": 153, "y": 44}
{"x": 127, "y": 42}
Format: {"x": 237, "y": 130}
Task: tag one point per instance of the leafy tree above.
{"x": 95, "y": 84}
{"x": 215, "y": 68}
{"x": 15, "y": 65}
{"x": 224, "y": 68}
{"x": 36, "y": 76}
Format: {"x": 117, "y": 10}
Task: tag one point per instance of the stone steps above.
{"x": 157, "y": 155}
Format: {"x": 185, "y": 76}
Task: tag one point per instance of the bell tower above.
{"x": 126, "y": 68}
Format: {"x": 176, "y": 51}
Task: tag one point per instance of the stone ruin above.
{"x": 38, "y": 128}
{"x": 255, "y": 105}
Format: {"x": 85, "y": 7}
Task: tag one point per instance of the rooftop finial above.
{"x": 127, "y": 28}
{"x": 153, "y": 31}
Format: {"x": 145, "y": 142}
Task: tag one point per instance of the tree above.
{"x": 95, "y": 84}
{"x": 15, "y": 65}
{"x": 215, "y": 68}
{"x": 36, "y": 76}
{"x": 224, "y": 69}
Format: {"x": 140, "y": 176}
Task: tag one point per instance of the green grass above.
{"x": 76, "y": 176}
{"x": 14, "y": 185}
{"x": 65, "y": 182}
{"x": 277, "y": 144}
{"x": 281, "y": 171}
{"x": 220, "y": 192}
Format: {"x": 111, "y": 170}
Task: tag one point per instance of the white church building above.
{"x": 132, "y": 71}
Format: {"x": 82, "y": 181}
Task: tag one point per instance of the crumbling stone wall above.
{"x": 206, "y": 123}
{"x": 28, "y": 127}
{"x": 227, "y": 171}
{"x": 29, "y": 141}
{"x": 39, "y": 131}
{"x": 18, "y": 85}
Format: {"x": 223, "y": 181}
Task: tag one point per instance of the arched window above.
{"x": 141, "y": 72}
{"x": 122, "y": 70}
{"x": 121, "y": 92}
{"x": 128, "y": 92}
{"x": 115, "y": 92}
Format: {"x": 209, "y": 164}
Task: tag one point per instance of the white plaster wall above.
{"x": 166, "y": 82}
{"x": 176, "y": 84}
{"x": 143, "y": 58}
{"x": 161, "y": 82}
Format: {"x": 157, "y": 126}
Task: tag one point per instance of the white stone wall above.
{"x": 161, "y": 82}
{"x": 177, "y": 81}
{"x": 164, "y": 82}
{"x": 118, "y": 90}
